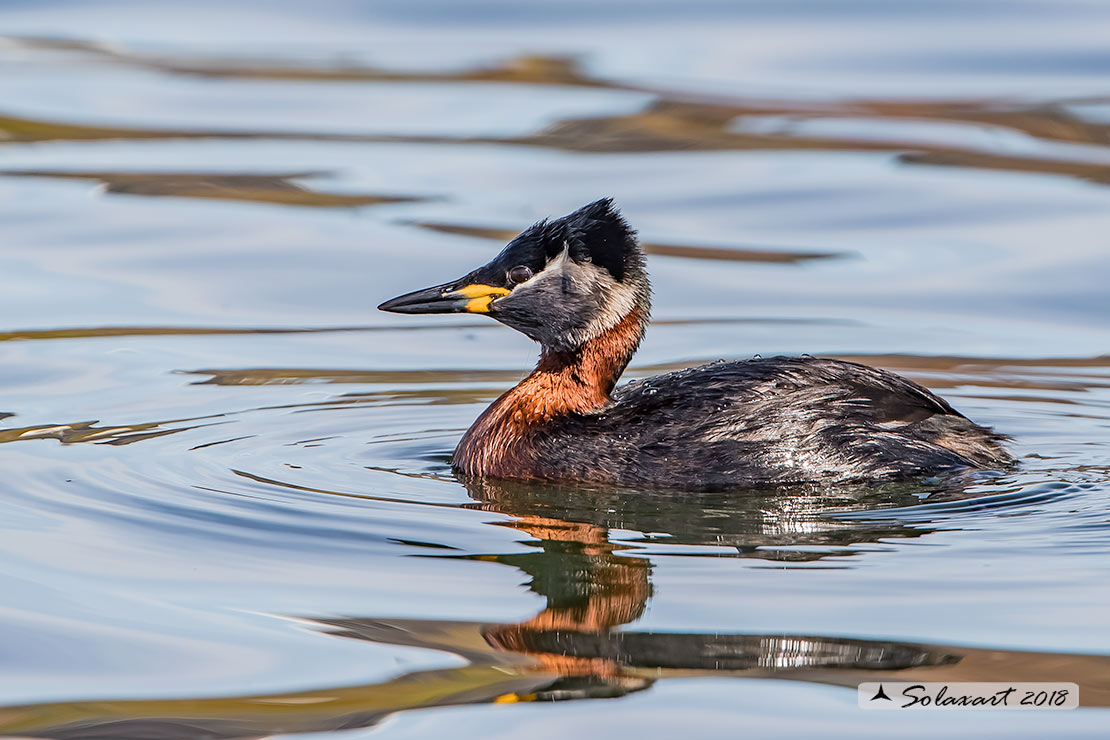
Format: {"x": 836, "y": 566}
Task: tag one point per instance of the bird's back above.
{"x": 768, "y": 421}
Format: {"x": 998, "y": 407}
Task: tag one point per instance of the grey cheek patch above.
{"x": 567, "y": 304}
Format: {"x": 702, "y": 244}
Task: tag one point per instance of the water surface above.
{"x": 227, "y": 504}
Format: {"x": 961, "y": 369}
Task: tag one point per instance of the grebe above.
{"x": 578, "y": 285}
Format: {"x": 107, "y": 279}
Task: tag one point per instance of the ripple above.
{"x": 978, "y": 502}
{"x": 254, "y": 188}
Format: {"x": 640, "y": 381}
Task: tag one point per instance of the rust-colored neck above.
{"x": 564, "y": 382}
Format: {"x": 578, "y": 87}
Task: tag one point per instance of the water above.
{"x": 227, "y": 506}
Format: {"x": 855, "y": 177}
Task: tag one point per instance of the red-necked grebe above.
{"x": 578, "y": 285}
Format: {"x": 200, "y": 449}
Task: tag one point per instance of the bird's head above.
{"x": 562, "y": 282}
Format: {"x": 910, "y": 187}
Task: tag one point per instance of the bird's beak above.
{"x": 446, "y": 298}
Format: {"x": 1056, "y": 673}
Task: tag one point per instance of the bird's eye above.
{"x": 520, "y": 274}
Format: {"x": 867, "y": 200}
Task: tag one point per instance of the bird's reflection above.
{"x": 594, "y": 585}
{"x": 594, "y": 572}
{"x": 792, "y": 524}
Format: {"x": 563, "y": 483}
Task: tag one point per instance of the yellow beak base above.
{"x": 480, "y": 297}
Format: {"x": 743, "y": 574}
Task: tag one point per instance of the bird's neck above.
{"x": 564, "y": 382}
{"x": 580, "y": 380}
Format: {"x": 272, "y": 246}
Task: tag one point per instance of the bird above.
{"x": 578, "y": 285}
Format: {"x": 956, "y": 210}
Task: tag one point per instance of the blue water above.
{"x": 227, "y": 509}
